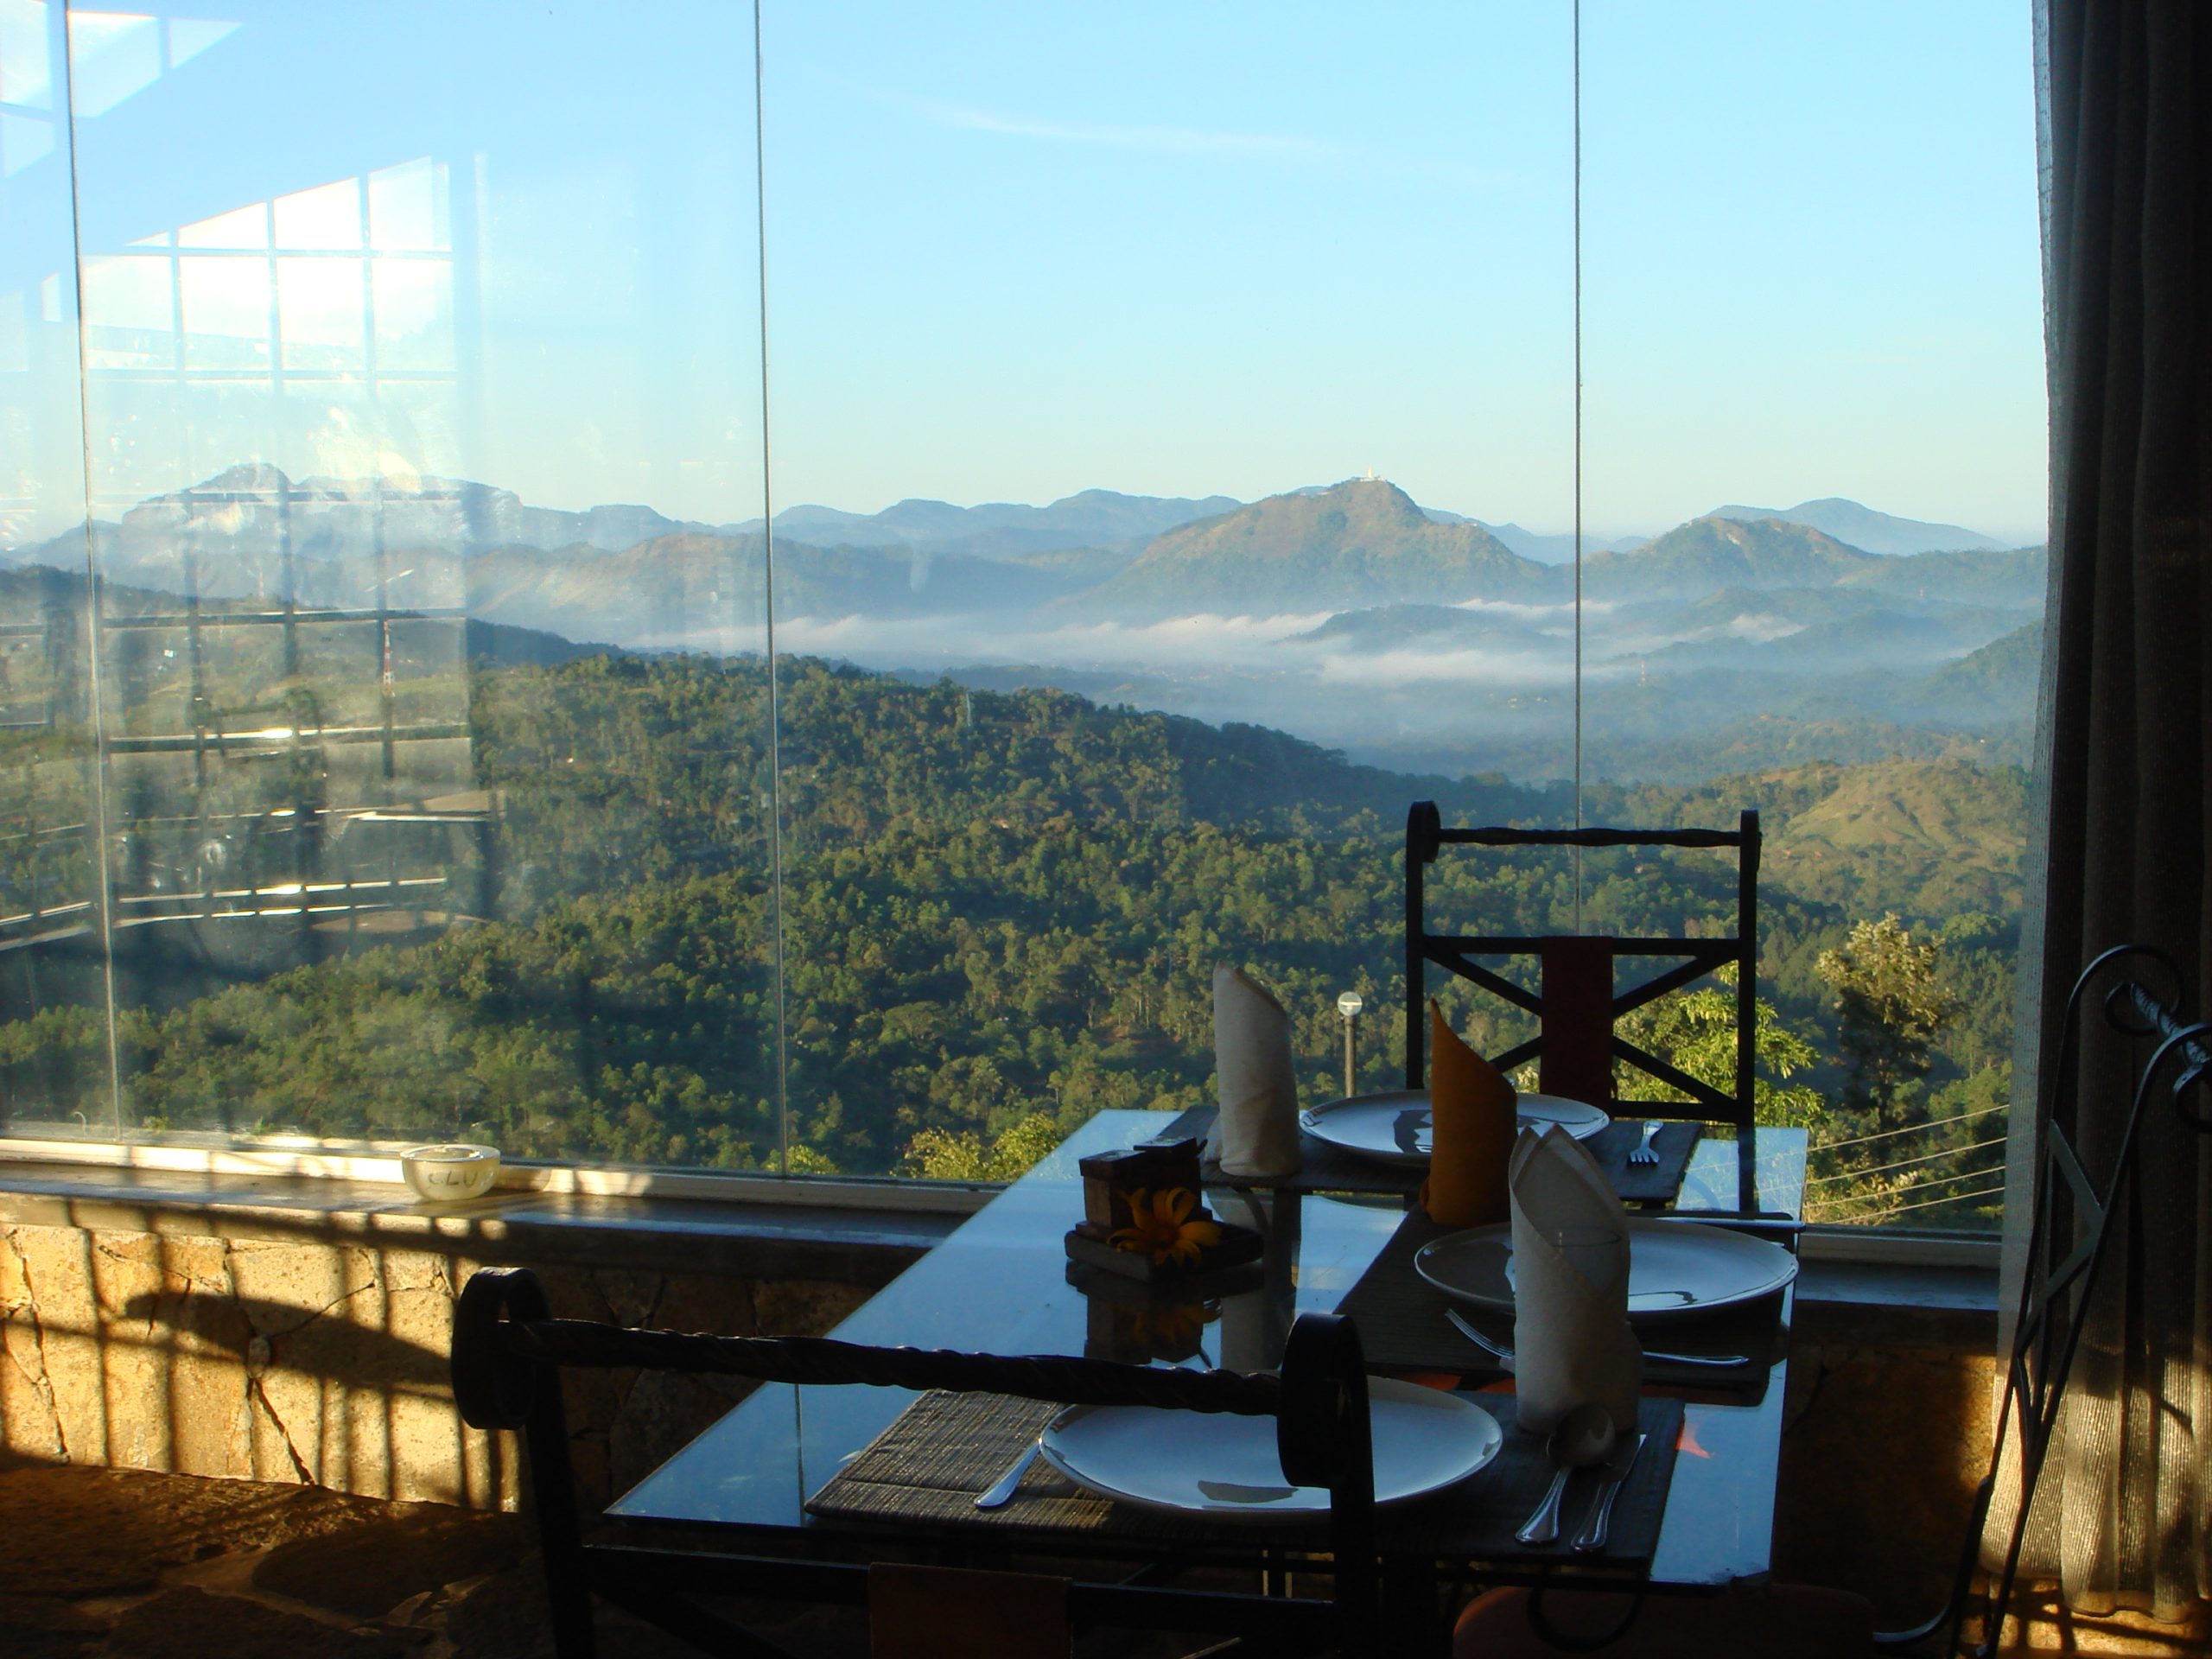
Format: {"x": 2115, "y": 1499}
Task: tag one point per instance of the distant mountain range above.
{"x": 1691, "y": 559}
{"x": 1094, "y": 518}
{"x": 1547, "y": 549}
{"x": 1347, "y": 612}
{"x": 1864, "y": 528}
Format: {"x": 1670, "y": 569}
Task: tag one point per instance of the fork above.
{"x": 1500, "y": 1352}
{"x": 1643, "y": 1153}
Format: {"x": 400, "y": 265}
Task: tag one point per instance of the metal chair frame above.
{"x": 1696, "y": 959}
{"x": 2056, "y": 1296}
{"x": 1425, "y": 836}
{"x": 508, "y": 1353}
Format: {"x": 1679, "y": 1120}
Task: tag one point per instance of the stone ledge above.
{"x": 1893, "y": 1306}
{"x": 737, "y": 1236}
{"x": 711, "y": 1235}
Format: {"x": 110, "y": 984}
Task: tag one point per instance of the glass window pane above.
{"x": 328, "y": 216}
{"x": 321, "y": 312}
{"x": 384, "y": 466}
{"x": 1139, "y": 377}
{"x": 1812, "y": 340}
{"x": 54, "y": 1075}
{"x": 225, "y": 313}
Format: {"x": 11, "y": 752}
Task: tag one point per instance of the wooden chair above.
{"x": 508, "y": 1353}
{"x": 1577, "y": 1004}
{"x": 2069, "y": 1227}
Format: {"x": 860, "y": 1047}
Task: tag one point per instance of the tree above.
{"x": 939, "y": 1155}
{"x": 1696, "y": 1032}
{"x": 1890, "y": 1003}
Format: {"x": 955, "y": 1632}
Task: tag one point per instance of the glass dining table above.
{"x": 1000, "y": 1284}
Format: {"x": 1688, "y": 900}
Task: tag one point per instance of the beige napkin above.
{"x": 1256, "y": 1132}
{"x": 1572, "y": 1344}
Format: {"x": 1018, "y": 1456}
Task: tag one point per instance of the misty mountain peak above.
{"x": 1361, "y": 543}
{"x": 1863, "y": 527}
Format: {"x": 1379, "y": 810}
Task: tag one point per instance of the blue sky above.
{"x": 1018, "y": 250}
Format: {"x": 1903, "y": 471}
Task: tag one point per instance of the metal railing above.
{"x": 1871, "y": 1179}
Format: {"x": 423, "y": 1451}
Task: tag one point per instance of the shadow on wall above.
{"x": 292, "y": 1356}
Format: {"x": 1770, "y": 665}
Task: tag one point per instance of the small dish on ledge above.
{"x": 452, "y": 1174}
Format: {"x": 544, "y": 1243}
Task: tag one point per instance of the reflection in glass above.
{"x": 362, "y": 858}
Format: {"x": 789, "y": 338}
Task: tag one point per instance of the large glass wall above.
{"x": 392, "y": 323}
{"x": 1811, "y": 336}
{"x": 1164, "y": 468}
{"x": 1224, "y": 316}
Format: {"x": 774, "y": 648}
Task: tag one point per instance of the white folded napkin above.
{"x": 1256, "y": 1132}
{"x": 1572, "y": 1344}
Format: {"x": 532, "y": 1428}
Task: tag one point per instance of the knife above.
{"x": 1591, "y": 1537}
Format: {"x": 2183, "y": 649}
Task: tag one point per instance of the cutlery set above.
{"x": 1542, "y": 1527}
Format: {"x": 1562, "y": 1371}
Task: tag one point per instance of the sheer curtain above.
{"x": 2126, "y": 734}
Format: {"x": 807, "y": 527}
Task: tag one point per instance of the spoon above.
{"x": 1583, "y": 1437}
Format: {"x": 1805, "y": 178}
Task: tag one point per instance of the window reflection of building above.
{"x": 336, "y": 303}
{"x": 284, "y": 717}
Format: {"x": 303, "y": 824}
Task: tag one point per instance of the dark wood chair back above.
{"x": 2071, "y": 1227}
{"x": 508, "y": 1353}
{"x": 1578, "y": 1005}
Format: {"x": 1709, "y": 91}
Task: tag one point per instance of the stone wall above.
{"x": 297, "y": 1353}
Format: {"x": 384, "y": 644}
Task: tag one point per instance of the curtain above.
{"x": 2126, "y": 102}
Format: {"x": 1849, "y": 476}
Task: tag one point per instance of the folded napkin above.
{"x": 1256, "y": 1130}
{"x": 1572, "y": 1344}
{"x": 1472, "y": 1117}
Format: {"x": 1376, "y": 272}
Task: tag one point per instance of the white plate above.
{"x": 1674, "y": 1268}
{"x": 1201, "y": 1463}
{"x": 1393, "y": 1128}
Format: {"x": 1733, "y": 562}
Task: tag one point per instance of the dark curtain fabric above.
{"x": 2126, "y": 98}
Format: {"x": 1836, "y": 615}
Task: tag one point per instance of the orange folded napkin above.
{"x": 1472, "y": 1121}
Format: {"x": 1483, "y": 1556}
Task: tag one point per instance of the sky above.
{"x": 1013, "y": 252}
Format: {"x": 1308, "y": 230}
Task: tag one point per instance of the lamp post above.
{"x": 1349, "y": 1005}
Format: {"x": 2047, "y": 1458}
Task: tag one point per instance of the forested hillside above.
{"x": 1001, "y": 908}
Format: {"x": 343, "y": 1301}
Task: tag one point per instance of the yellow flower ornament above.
{"x": 1162, "y": 1227}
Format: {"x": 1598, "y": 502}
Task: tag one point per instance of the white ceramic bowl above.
{"x": 450, "y": 1174}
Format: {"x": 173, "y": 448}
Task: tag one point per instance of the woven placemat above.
{"x": 1325, "y": 1167}
{"x": 1403, "y": 1325}
{"x": 928, "y": 1466}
